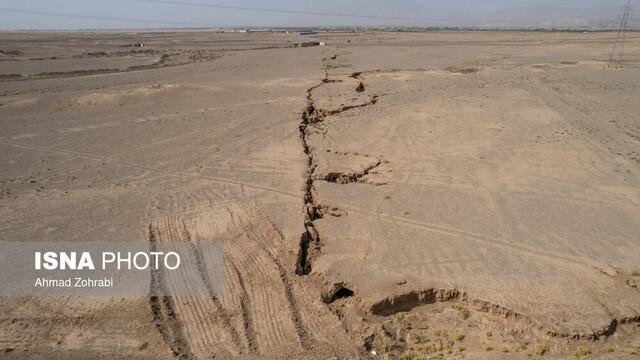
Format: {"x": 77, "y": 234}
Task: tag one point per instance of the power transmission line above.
{"x": 617, "y": 53}
{"x": 282, "y": 11}
{"x": 106, "y": 18}
{"x": 346, "y": 15}
{"x": 271, "y": 10}
{"x": 292, "y": 12}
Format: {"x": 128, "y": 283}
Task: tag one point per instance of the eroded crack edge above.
{"x": 310, "y": 238}
{"x": 407, "y": 301}
{"x": 311, "y": 212}
{"x": 348, "y": 178}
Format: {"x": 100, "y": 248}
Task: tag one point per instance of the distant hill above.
{"x": 579, "y": 14}
{"x": 547, "y": 15}
{"x": 585, "y": 15}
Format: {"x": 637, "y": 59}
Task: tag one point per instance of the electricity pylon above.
{"x": 617, "y": 53}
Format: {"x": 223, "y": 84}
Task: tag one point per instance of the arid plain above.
{"x": 463, "y": 195}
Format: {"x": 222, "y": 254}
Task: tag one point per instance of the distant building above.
{"x": 310, "y": 44}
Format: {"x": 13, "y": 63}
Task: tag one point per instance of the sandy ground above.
{"x": 456, "y": 195}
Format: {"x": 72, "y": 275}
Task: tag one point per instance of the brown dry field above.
{"x": 458, "y": 195}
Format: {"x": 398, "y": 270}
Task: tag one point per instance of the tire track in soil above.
{"x": 258, "y": 310}
{"x": 124, "y": 163}
{"x": 245, "y": 303}
{"x": 163, "y": 311}
{"x": 288, "y": 292}
{"x": 204, "y": 276}
{"x": 199, "y": 324}
{"x": 262, "y": 279}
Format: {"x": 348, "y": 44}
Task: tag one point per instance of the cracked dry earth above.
{"x": 396, "y": 196}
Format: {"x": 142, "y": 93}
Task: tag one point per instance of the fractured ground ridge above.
{"x": 312, "y": 115}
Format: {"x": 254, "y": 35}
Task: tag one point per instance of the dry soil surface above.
{"x": 437, "y": 195}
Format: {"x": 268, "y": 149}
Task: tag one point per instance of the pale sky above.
{"x": 76, "y": 14}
